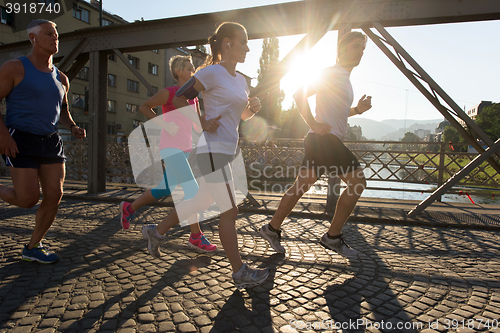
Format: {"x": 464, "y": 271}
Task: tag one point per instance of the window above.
{"x": 136, "y": 123}
{"x": 83, "y": 74}
{"x": 112, "y": 57}
{"x": 152, "y": 69}
{"x": 132, "y": 108}
{"x": 111, "y": 106}
{"x": 154, "y": 51}
{"x": 111, "y": 129}
{"x": 134, "y": 61}
{"x": 154, "y": 92}
{"x": 133, "y": 86}
{"x": 78, "y": 101}
{"x": 111, "y": 80}
{"x": 81, "y": 13}
{"x": 6, "y": 18}
{"x": 107, "y": 22}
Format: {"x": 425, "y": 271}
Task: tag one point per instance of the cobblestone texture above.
{"x": 423, "y": 277}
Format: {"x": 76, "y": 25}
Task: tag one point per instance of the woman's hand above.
{"x": 254, "y": 104}
{"x": 210, "y": 125}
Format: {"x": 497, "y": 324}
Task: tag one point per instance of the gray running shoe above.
{"x": 274, "y": 238}
{"x": 249, "y": 277}
{"x": 338, "y": 245}
{"x": 154, "y": 242}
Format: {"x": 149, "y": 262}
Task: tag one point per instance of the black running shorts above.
{"x": 35, "y": 150}
{"x": 328, "y": 154}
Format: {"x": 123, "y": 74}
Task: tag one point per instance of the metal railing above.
{"x": 394, "y": 161}
{"x": 279, "y": 161}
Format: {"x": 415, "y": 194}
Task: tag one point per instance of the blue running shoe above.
{"x": 39, "y": 253}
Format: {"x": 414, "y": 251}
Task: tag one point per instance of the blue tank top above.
{"x": 34, "y": 105}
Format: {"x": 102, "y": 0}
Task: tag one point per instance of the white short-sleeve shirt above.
{"x": 224, "y": 95}
{"x": 334, "y": 97}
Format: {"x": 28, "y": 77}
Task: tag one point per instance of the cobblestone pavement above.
{"x": 405, "y": 278}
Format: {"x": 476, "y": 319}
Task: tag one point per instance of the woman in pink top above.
{"x": 175, "y": 145}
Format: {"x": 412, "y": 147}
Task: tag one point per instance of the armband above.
{"x": 356, "y": 110}
{"x": 187, "y": 90}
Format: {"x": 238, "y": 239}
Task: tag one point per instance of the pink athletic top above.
{"x": 182, "y": 139}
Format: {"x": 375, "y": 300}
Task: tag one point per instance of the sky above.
{"x": 461, "y": 57}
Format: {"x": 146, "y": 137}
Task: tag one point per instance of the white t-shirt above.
{"x": 334, "y": 98}
{"x": 224, "y": 95}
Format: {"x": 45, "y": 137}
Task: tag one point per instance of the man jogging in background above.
{"x": 324, "y": 149}
{"x": 36, "y": 96}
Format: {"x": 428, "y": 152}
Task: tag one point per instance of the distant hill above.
{"x": 400, "y": 133}
{"x": 391, "y": 129}
{"x": 400, "y": 123}
{"x": 371, "y": 129}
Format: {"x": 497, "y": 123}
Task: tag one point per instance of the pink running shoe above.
{"x": 126, "y": 214}
{"x": 201, "y": 243}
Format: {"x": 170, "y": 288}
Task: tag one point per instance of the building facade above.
{"x": 125, "y": 92}
{"x": 475, "y": 111}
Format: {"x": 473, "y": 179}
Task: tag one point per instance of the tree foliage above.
{"x": 410, "y": 137}
{"x": 201, "y": 48}
{"x": 292, "y": 125}
{"x": 451, "y": 135}
{"x": 271, "y": 100}
{"x": 489, "y": 121}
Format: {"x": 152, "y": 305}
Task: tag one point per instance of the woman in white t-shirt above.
{"x": 225, "y": 96}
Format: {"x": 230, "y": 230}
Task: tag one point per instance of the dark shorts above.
{"x": 328, "y": 154}
{"x": 208, "y": 163}
{"x": 35, "y": 150}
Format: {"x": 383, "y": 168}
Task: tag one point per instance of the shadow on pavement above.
{"x": 236, "y": 313}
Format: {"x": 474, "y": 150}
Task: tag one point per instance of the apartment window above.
{"x": 132, "y": 108}
{"x": 107, "y": 22}
{"x": 6, "y": 18}
{"x": 111, "y": 80}
{"x": 78, "y": 100}
{"x": 154, "y": 51}
{"x": 81, "y": 13}
{"x": 111, "y": 106}
{"x": 133, "y": 86}
{"x": 83, "y": 74}
{"x": 134, "y": 61}
{"x": 155, "y": 90}
{"x": 112, "y": 57}
{"x": 136, "y": 123}
{"x": 152, "y": 69}
{"x": 111, "y": 129}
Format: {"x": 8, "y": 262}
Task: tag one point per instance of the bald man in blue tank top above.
{"x": 36, "y": 95}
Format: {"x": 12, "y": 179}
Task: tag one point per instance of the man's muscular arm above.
{"x": 11, "y": 74}
{"x": 300, "y": 98}
{"x": 65, "y": 117}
